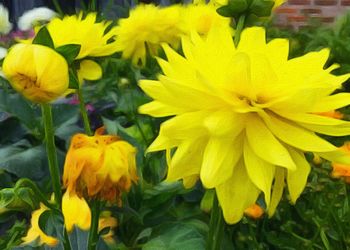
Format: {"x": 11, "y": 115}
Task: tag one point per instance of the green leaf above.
{"x": 43, "y": 37}
{"x": 177, "y": 236}
{"x": 261, "y": 8}
{"x": 234, "y": 8}
{"x": 51, "y": 222}
{"x": 23, "y": 160}
{"x": 69, "y": 51}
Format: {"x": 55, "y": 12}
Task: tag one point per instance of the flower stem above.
{"x": 216, "y": 227}
{"x": 95, "y": 214}
{"x": 37, "y": 191}
{"x": 239, "y": 29}
{"x": 84, "y": 113}
{"x": 51, "y": 152}
{"x": 58, "y": 7}
{"x": 92, "y": 5}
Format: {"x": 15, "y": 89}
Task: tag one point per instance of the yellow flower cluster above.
{"x": 148, "y": 26}
{"x": 242, "y": 124}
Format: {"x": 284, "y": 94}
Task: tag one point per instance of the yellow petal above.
{"x": 260, "y": 172}
{"x": 90, "y": 70}
{"x": 75, "y": 212}
{"x": 335, "y": 130}
{"x": 296, "y": 180}
{"x": 265, "y": 145}
{"x": 253, "y": 39}
{"x": 331, "y": 103}
{"x": 297, "y": 136}
{"x": 236, "y": 194}
{"x": 220, "y": 157}
{"x": 277, "y": 191}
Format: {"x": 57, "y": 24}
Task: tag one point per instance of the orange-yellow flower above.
{"x": 35, "y": 233}
{"x": 254, "y": 211}
{"x": 106, "y": 220}
{"x": 99, "y": 166}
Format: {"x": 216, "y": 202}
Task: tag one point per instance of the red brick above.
{"x": 299, "y": 2}
{"x": 287, "y": 10}
{"x": 296, "y": 18}
{"x": 326, "y": 2}
{"x": 311, "y": 11}
{"x": 329, "y": 19}
{"x": 345, "y": 2}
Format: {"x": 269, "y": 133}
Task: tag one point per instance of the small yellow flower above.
{"x": 99, "y": 165}
{"x": 202, "y": 17}
{"x": 35, "y": 233}
{"x": 76, "y": 212}
{"x": 91, "y": 35}
{"x": 37, "y": 72}
{"x": 145, "y": 29}
{"x": 243, "y": 116}
{"x": 254, "y": 211}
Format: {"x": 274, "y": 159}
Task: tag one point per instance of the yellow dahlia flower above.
{"x": 37, "y": 72}
{"x": 243, "y": 117}
{"x": 35, "y": 233}
{"x": 88, "y": 33}
{"x": 145, "y": 29}
{"x": 99, "y": 165}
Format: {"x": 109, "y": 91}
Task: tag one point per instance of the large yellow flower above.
{"x": 145, "y": 29}
{"x": 35, "y": 233}
{"x": 37, "y": 72}
{"x": 91, "y": 35}
{"x": 244, "y": 116}
{"x": 99, "y": 165}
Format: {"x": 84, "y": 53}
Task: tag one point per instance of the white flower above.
{"x": 5, "y": 25}
{"x": 35, "y": 16}
{"x": 3, "y": 52}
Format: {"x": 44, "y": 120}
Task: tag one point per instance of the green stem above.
{"x": 58, "y": 7}
{"x": 92, "y": 5}
{"x": 93, "y": 235}
{"x": 216, "y": 227}
{"x": 84, "y": 114}
{"x": 51, "y": 152}
{"x": 239, "y": 29}
{"x": 36, "y": 190}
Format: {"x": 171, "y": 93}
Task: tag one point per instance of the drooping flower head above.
{"x": 145, "y": 29}
{"x": 243, "y": 116}
{"x": 37, "y": 72}
{"x": 85, "y": 31}
{"x": 99, "y": 166}
{"x": 35, "y": 233}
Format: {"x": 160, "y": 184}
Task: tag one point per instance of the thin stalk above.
{"x": 37, "y": 191}
{"x": 216, "y": 227}
{"x": 92, "y": 5}
{"x": 51, "y": 152}
{"x": 239, "y": 29}
{"x": 93, "y": 234}
{"x": 84, "y": 114}
{"x": 58, "y": 7}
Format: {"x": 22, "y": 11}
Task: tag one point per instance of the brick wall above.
{"x": 298, "y": 13}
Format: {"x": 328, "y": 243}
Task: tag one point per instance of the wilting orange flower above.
{"x": 254, "y": 211}
{"x": 342, "y": 170}
{"x": 99, "y": 166}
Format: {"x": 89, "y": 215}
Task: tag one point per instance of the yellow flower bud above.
{"x": 37, "y": 72}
